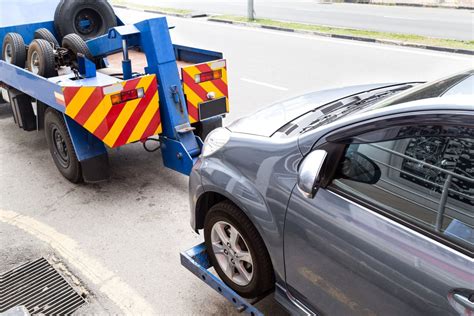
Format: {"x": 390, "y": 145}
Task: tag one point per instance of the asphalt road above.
{"x": 432, "y": 22}
{"x": 122, "y": 238}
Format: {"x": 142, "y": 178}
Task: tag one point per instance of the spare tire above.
{"x": 41, "y": 59}
{"x": 14, "y": 49}
{"x": 76, "y": 45}
{"x": 46, "y": 35}
{"x": 86, "y": 18}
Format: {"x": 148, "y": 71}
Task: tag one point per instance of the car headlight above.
{"x": 215, "y": 140}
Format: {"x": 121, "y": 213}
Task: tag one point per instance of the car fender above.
{"x": 234, "y": 186}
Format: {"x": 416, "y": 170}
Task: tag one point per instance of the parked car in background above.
{"x": 352, "y": 201}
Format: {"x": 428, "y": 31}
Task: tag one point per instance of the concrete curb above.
{"x": 349, "y": 37}
{"x": 180, "y": 15}
{"x": 418, "y": 5}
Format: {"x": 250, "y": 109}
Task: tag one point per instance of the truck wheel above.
{"x": 46, "y": 35}
{"x": 60, "y": 146}
{"x": 237, "y": 251}
{"x": 203, "y": 128}
{"x": 41, "y": 58}
{"x": 87, "y": 18}
{"x": 75, "y": 44}
{"x": 14, "y": 49}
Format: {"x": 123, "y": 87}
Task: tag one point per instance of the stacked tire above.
{"x": 86, "y": 18}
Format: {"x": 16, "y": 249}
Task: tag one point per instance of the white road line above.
{"x": 400, "y": 18}
{"x": 125, "y": 297}
{"x": 268, "y": 85}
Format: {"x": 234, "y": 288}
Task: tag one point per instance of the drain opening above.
{"x": 40, "y": 288}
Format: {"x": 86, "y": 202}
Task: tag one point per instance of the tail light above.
{"x": 129, "y": 95}
{"x": 207, "y": 76}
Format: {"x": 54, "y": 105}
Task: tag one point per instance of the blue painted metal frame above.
{"x": 179, "y": 147}
{"x": 197, "y": 261}
{"x": 33, "y": 85}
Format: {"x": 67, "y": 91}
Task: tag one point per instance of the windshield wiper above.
{"x": 354, "y": 104}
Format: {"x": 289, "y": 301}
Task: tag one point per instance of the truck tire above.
{"x": 203, "y": 128}
{"x": 14, "y": 49}
{"x": 46, "y": 35}
{"x": 87, "y": 18}
{"x": 41, "y": 59}
{"x": 75, "y": 44}
{"x": 60, "y": 146}
{"x": 223, "y": 220}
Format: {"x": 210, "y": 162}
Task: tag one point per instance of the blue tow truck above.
{"x": 89, "y": 93}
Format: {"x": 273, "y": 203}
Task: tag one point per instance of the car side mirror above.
{"x": 309, "y": 173}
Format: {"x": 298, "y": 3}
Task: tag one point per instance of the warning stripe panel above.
{"x": 118, "y": 124}
{"x": 197, "y": 93}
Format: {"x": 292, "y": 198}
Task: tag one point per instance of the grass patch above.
{"x": 135, "y": 5}
{"x": 417, "y": 39}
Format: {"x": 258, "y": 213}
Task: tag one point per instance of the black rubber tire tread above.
{"x": 67, "y": 10}
{"x": 46, "y": 35}
{"x": 47, "y": 67}
{"x": 73, "y": 173}
{"x": 75, "y": 44}
{"x": 263, "y": 280}
{"x": 19, "y": 49}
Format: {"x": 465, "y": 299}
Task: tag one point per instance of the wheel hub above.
{"x": 8, "y": 53}
{"x": 34, "y": 63}
{"x": 60, "y": 147}
{"x": 232, "y": 253}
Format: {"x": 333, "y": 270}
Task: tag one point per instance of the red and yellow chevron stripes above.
{"x": 118, "y": 124}
{"x": 196, "y": 93}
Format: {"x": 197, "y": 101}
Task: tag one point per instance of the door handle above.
{"x": 462, "y": 300}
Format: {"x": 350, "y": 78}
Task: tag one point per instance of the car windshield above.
{"x": 459, "y": 84}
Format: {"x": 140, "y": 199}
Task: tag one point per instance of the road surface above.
{"x": 122, "y": 238}
{"x": 432, "y": 22}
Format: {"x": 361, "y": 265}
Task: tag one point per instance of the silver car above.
{"x": 352, "y": 201}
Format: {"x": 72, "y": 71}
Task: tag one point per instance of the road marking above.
{"x": 268, "y": 85}
{"x": 400, "y": 18}
{"x": 125, "y": 297}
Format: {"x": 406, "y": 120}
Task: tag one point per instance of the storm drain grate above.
{"x": 40, "y": 288}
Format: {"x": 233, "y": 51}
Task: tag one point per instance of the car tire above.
{"x": 41, "y": 59}
{"x": 226, "y": 218}
{"x": 46, "y": 35}
{"x": 60, "y": 146}
{"x": 14, "y": 49}
{"x": 70, "y": 16}
{"x": 76, "y": 45}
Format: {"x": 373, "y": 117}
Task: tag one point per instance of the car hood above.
{"x": 268, "y": 120}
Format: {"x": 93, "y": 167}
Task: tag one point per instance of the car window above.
{"x": 424, "y": 175}
{"x": 465, "y": 87}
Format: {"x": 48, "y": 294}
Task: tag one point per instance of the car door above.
{"x": 391, "y": 231}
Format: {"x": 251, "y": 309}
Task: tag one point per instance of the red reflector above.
{"x": 127, "y": 96}
{"x": 207, "y": 76}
